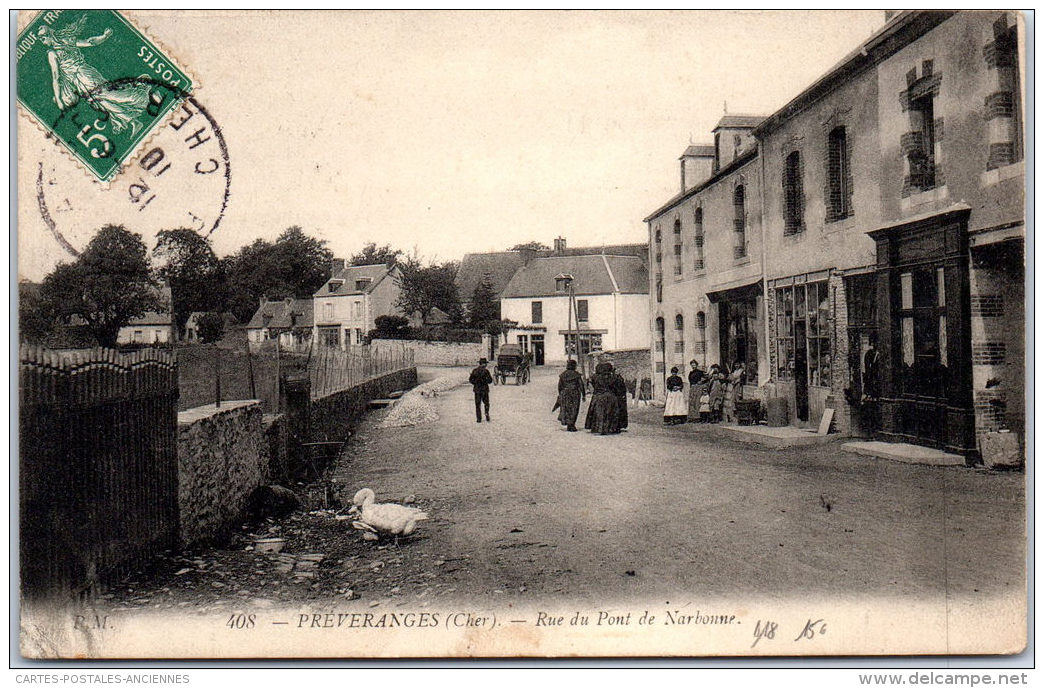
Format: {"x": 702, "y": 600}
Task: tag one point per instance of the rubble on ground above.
{"x": 414, "y": 408}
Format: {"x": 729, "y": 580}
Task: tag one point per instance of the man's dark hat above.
{"x": 483, "y": 361}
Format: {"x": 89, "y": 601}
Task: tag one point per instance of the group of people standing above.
{"x": 712, "y": 394}
{"x": 607, "y": 412}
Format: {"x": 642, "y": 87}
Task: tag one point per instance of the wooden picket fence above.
{"x": 98, "y": 470}
{"x": 333, "y": 370}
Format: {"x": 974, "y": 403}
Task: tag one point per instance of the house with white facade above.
{"x": 154, "y": 327}
{"x": 610, "y": 293}
{"x": 351, "y": 300}
{"x": 151, "y": 328}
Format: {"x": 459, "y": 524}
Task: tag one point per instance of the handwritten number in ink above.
{"x": 812, "y": 629}
{"x": 764, "y": 629}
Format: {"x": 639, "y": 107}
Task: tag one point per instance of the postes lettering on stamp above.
{"x": 96, "y": 84}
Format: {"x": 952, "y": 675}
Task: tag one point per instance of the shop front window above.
{"x": 803, "y": 325}
{"x": 922, "y": 316}
{"x": 588, "y": 343}
{"x": 738, "y": 327}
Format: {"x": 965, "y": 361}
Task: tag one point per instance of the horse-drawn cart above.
{"x": 511, "y": 362}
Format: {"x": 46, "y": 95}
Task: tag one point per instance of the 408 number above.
{"x": 240, "y": 621}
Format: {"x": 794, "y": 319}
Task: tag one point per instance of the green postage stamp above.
{"x": 95, "y": 83}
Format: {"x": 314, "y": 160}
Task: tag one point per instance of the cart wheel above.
{"x": 518, "y": 379}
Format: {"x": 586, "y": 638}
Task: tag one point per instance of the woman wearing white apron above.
{"x": 676, "y": 409}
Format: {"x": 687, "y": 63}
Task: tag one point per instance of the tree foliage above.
{"x": 424, "y": 287}
{"x": 485, "y": 306}
{"x": 211, "y": 327}
{"x": 534, "y": 245}
{"x": 390, "y": 327}
{"x": 36, "y": 317}
{"x": 196, "y": 278}
{"x": 294, "y": 265}
{"x": 106, "y": 286}
{"x": 372, "y": 254}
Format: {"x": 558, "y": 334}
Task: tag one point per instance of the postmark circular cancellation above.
{"x": 180, "y": 179}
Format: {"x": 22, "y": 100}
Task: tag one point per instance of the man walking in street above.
{"x": 480, "y": 380}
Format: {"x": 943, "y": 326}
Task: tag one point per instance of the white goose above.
{"x": 375, "y": 520}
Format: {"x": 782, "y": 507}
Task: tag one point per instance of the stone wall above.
{"x": 330, "y": 417}
{"x": 225, "y": 453}
{"x": 632, "y": 364}
{"x": 278, "y": 445}
{"x": 222, "y": 457}
{"x": 437, "y": 353}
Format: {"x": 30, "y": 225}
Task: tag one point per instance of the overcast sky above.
{"x": 457, "y": 132}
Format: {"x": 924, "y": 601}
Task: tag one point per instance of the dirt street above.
{"x": 522, "y": 510}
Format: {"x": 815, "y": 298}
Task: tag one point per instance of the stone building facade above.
{"x": 705, "y": 248}
{"x": 892, "y": 220}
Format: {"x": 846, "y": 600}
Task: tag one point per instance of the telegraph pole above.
{"x": 576, "y": 335}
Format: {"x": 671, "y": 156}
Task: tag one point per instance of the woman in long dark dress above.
{"x": 619, "y": 387}
{"x": 571, "y": 391}
{"x": 603, "y": 412}
{"x": 696, "y": 390}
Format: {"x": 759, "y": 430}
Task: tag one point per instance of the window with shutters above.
{"x": 677, "y": 247}
{"x": 793, "y": 195}
{"x": 698, "y": 263}
{"x": 538, "y": 312}
{"x": 839, "y": 175}
{"x": 739, "y": 222}
{"x": 701, "y": 334}
{"x": 581, "y": 310}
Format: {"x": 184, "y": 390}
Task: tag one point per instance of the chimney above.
{"x": 697, "y": 165}
{"x": 336, "y": 265}
{"x": 560, "y": 246}
{"x": 528, "y": 254}
{"x": 262, "y": 300}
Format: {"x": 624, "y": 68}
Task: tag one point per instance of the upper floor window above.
{"x": 920, "y": 143}
{"x": 581, "y": 310}
{"x": 739, "y": 248}
{"x": 701, "y": 333}
{"x": 717, "y": 152}
{"x": 679, "y": 337}
{"x": 561, "y": 284}
{"x": 659, "y": 250}
{"x": 793, "y": 195}
{"x": 659, "y": 288}
{"x": 839, "y": 175}
{"x": 697, "y": 242}
{"x": 677, "y": 247}
{"x": 538, "y": 312}
{"x": 328, "y": 311}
